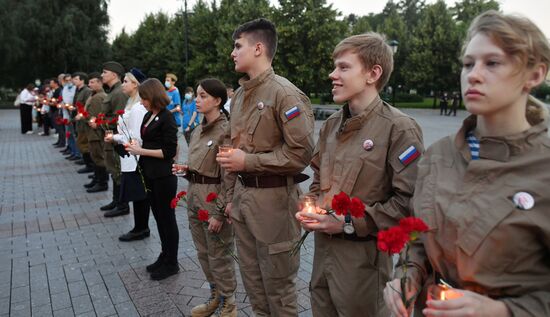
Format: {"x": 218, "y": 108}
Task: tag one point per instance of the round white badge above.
{"x": 368, "y": 145}
{"x": 209, "y": 143}
{"x": 524, "y": 200}
{"x": 260, "y": 105}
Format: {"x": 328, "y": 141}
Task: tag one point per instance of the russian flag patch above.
{"x": 410, "y": 154}
{"x": 292, "y": 113}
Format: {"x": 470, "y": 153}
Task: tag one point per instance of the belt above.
{"x": 351, "y": 237}
{"x": 197, "y": 178}
{"x": 269, "y": 181}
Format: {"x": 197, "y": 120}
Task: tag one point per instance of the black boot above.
{"x": 95, "y": 178}
{"x": 164, "y": 271}
{"x": 113, "y": 203}
{"x": 89, "y": 168}
{"x": 101, "y": 184}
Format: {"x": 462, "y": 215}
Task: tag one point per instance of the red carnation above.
{"x": 67, "y": 134}
{"x": 101, "y": 116}
{"x": 181, "y": 194}
{"x": 203, "y": 215}
{"x": 60, "y": 98}
{"x": 120, "y": 112}
{"x": 357, "y": 208}
{"x": 413, "y": 226}
{"x": 174, "y": 202}
{"x": 85, "y": 114}
{"x": 114, "y": 120}
{"x": 340, "y": 203}
{"x": 66, "y": 121}
{"x": 392, "y": 240}
{"x": 211, "y": 197}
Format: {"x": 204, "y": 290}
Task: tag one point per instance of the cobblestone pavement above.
{"x": 60, "y": 257}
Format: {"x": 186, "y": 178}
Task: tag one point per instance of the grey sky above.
{"x": 129, "y": 13}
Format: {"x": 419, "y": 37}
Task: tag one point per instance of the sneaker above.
{"x": 40, "y": 133}
{"x": 209, "y": 307}
{"x": 29, "y": 132}
{"x": 164, "y": 271}
{"x": 227, "y": 307}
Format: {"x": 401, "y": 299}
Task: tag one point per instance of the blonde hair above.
{"x": 372, "y": 50}
{"x": 517, "y": 36}
{"x": 136, "y": 98}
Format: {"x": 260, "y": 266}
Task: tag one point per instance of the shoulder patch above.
{"x": 409, "y": 155}
{"x": 292, "y": 113}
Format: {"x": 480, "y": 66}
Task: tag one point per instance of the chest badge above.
{"x": 260, "y": 105}
{"x": 368, "y": 145}
{"x": 209, "y": 143}
{"x": 523, "y": 200}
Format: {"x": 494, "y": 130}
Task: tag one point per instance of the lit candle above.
{"x": 443, "y": 292}
{"x": 226, "y": 148}
{"x": 92, "y": 120}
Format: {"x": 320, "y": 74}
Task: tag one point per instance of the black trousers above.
{"x": 160, "y": 194}
{"x": 25, "y": 112}
{"x": 47, "y": 123}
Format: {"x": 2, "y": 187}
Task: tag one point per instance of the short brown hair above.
{"x": 372, "y": 49}
{"x": 153, "y": 91}
{"x": 260, "y": 30}
{"x": 517, "y": 36}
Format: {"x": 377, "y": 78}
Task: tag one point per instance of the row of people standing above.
{"x": 373, "y": 152}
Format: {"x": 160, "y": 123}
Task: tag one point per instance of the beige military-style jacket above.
{"x": 93, "y": 106}
{"x": 360, "y": 156}
{"x": 205, "y": 141}
{"x": 81, "y": 96}
{"x": 113, "y": 101}
{"x": 489, "y": 218}
{"x": 272, "y": 122}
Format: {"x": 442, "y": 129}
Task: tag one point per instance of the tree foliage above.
{"x": 41, "y": 38}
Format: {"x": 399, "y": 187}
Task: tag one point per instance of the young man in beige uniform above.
{"x": 367, "y": 150}
{"x": 115, "y": 100}
{"x": 272, "y": 135}
{"x": 95, "y": 134}
{"x": 81, "y": 96}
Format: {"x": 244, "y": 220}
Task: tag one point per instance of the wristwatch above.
{"x": 348, "y": 225}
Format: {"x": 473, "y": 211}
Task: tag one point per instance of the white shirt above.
{"x": 27, "y": 97}
{"x": 227, "y": 105}
{"x": 68, "y": 95}
{"x": 129, "y": 125}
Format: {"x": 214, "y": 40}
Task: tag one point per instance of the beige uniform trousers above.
{"x": 96, "y": 152}
{"x": 346, "y": 278}
{"x": 266, "y": 231}
{"x": 213, "y": 249}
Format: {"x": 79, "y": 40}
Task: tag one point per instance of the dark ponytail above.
{"x": 215, "y": 88}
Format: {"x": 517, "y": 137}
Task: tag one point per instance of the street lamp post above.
{"x": 393, "y": 44}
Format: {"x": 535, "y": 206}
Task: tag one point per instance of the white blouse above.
{"x": 129, "y": 125}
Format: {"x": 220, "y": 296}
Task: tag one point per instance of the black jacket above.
{"x": 160, "y": 134}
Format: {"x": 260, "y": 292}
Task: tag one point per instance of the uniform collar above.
{"x": 499, "y": 148}
{"x": 208, "y": 125}
{"x": 248, "y": 83}
{"x": 349, "y": 123}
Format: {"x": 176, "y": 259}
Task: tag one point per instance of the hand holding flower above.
{"x": 321, "y": 222}
{"x": 214, "y": 225}
{"x": 133, "y": 148}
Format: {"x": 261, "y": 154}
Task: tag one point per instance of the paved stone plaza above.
{"x": 60, "y": 257}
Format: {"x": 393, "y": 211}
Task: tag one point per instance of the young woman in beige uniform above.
{"x": 214, "y": 239}
{"x": 484, "y": 191}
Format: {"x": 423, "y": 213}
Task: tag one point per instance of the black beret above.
{"x": 114, "y": 67}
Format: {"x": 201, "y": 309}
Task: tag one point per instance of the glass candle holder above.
{"x": 108, "y": 133}
{"x": 225, "y": 148}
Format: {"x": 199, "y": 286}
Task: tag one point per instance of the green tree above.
{"x": 305, "y": 45}
{"x": 432, "y": 63}
{"x": 45, "y": 37}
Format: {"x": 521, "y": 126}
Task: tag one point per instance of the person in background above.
{"x": 230, "y": 92}
{"x": 190, "y": 115}
{"x": 27, "y": 98}
{"x": 483, "y": 192}
{"x": 160, "y": 142}
{"x": 174, "y": 94}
